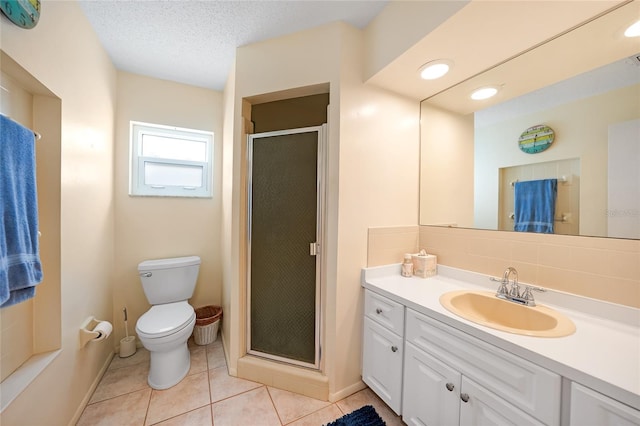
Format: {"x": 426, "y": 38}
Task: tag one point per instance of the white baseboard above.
{"x": 92, "y": 389}
{"x": 345, "y": 392}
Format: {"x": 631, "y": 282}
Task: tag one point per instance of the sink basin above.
{"x": 483, "y": 307}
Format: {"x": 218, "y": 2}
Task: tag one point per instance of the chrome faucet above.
{"x": 515, "y": 287}
{"x": 512, "y": 292}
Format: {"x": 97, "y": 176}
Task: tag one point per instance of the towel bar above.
{"x": 564, "y": 217}
{"x": 561, "y": 179}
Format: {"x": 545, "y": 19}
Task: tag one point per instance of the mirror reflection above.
{"x": 475, "y": 174}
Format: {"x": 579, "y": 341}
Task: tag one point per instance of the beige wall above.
{"x": 399, "y": 26}
{"x": 69, "y": 60}
{"x": 378, "y": 186}
{"x": 372, "y": 172}
{"x": 158, "y": 227}
{"x": 446, "y": 167}
{"x": 229, "y": 245}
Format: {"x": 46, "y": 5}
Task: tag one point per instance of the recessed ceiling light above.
{"x": 633, "y": 30}
{"x": 484, "y": 93}
{"x": 435, "y": 69}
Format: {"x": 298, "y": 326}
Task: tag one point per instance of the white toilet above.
{"x": 165, "y": 328}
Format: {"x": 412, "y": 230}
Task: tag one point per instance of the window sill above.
{"x": 18, "y": 381}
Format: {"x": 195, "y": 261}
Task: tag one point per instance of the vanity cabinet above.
{"x": 453, "y": 378}
{"x": 456, "y": 373}
{"x": 435, "y": 394}
{"x": 590, "y": 408}
{"x": 383, "y": 348}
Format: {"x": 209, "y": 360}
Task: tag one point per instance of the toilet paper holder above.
{"x": 89, "y": 333}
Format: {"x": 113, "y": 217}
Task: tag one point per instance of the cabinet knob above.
{"x": 464, "y": 397}
{"x": 378, "y": 310}
{"x": 450, "y": 386}
{"x": 394, "y": 349}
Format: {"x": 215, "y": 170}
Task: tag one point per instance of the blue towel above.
{"x": 20, "y": 268}
{"x": 535, "y": 205}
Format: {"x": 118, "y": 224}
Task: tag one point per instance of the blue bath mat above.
{"x": 365, "y": 416}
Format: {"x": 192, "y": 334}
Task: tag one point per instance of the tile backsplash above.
{"x": 388, "y": 245}
{"x": 601, "y": 268}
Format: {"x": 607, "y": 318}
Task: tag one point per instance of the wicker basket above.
{"x": 207, "y": 324}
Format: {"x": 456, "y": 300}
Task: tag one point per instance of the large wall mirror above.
{"x": 585, "y": 85}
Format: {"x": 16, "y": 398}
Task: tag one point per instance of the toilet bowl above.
{"x": 165, "y": 328}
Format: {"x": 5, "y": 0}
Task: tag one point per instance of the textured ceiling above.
{"x": 194, "y": 42}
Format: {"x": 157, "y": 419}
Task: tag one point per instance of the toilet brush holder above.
{"x": 128, "y": 343}
{"x": 127, "y": 346}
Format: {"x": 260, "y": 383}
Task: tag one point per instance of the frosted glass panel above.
{"x": 283, "y": 224}
{"x": 174, "y": 148}
{"x": 172, "y": 175}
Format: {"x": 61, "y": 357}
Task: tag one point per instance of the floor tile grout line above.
{"x": 238, "y": 394}
{"x": 118, "y": 396}
{"x": 181, "y": 414}
{"x": 146, "y": 413}
{"x": 311, "y": 413}
{"x": 206, "y": 354}
{"x": 274, "y": 405}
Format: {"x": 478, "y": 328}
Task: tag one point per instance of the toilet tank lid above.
{"x": 173, "y": 262}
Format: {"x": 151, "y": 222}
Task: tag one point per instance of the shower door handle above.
{"x": 313, "y": 249}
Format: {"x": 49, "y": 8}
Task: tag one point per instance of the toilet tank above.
{"x": 169, "y": 280}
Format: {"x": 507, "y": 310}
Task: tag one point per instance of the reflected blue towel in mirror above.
{"x": 20, "y": 267}
{"x": 535, "y": 205}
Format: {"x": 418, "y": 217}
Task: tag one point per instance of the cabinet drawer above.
{"x": 384, "y": 311}
{"x": 531, "y": 388}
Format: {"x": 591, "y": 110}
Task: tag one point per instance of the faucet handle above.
{"x": 528, "y": 295}
{"x": 502, "y": 289}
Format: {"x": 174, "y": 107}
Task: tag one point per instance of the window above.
{"x": 170, "y": 161}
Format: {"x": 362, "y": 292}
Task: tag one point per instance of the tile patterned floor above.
{"x": 209, "y": 396}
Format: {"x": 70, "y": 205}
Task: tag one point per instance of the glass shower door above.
{"x": 284, "y": 202}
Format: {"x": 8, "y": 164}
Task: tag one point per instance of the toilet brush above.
{"x": 128, "y": 343}
{"x": 126, "y": 326}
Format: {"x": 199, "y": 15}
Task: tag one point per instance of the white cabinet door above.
{"x": 531, "y": 388}
{"x": 382, "y": 363}
{"x": 480, "y": 407}
{"x": 431, "y": 394}
{"x": 590, "y": 408}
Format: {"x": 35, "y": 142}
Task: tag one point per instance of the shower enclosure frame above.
{"x": 315, "y": 247}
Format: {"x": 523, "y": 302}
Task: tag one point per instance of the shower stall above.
{"x": 285, "y": 204}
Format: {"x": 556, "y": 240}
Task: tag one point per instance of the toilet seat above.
{"x": 164, "y": 320}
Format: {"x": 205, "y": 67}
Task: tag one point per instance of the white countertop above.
{"x": 603, "y": 353}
